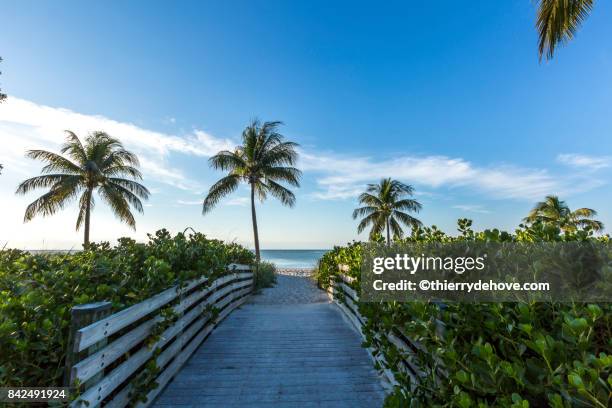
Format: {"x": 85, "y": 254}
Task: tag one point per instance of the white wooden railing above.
{"x": 107, "y": 352}
{"x": 341, "y": 293}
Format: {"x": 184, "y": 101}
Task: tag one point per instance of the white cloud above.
{"x": 344, "y": 177}
{"x": 189, "y": 202}
{"x": 238, "y": 201}
{"x": 26, "y": 125}
{"x": 584, "y": 161}
{"x": 475, "y": 208}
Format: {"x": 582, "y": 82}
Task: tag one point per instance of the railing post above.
{"x": 82, "y": 316}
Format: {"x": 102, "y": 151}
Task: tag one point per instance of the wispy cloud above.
{"x": 28, "y": 125}
{"x": 344, "y": 177}
{"x": 584, "y": 161}
{"x": 475, "y": 208}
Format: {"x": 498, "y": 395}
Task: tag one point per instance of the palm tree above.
{"x": 99, "y": 165}
{"x": 263, "y": 161}
{"x": 385, "y": 208}
{"x": 558, "y": 21}
{"x": 553, "y": 211}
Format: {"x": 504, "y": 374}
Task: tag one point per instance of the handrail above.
{"x": 109, "y": 353}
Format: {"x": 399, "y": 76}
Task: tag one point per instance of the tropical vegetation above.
{"x": 266, "y": 275}
{"x": 558, "y": 21}
{"x": 37, "y": 292}
{"x": 555, "y": 212}
{"x": 513, "y": 354}
{"x": 100, "y": 164}
{"x": 385, "y": 208}
{"x": 263, "y": 161}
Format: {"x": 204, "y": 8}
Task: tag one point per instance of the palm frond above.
{"x": 83, "y": 203}
{"x": 370, "y": 200}
{"x": 364, "y": 211}
{"x": 289, "y": 175}
{"x": 56, "y": 162}
{"x": 226, "y": 160}
{"x": 584, "y": 213}
{"x": 74, "y": 147}
{"x": 54, "y": 200}
{"x": 45, "y": 181}
{"x": 408, "y": 205}
{"x": 284, "y": 195}
{"x": 373, "y": 219}
{"x": 132, "y": 186}
{"x": 123, "y": 170}
{"x": 593, "y": 224}
{"x": 220, "y": 189}
{"x": 407, "y": 219}
{"x": 128, "y": 194}
{"x": 119, "y": 158}
{"x": 396, "y": 228}
{"x": 116, "y": 199}
{"x": 280, "y": 155}
{"x": 558, "y": 21}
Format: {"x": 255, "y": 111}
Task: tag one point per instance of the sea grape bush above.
{"x": 38, "y": 291}
{"x": 490, "y": 354}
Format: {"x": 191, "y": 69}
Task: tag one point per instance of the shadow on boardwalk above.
{"x": 288, "y": 347}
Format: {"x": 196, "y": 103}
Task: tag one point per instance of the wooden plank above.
{"x": 88, "y": 367}
{"x": 239, "y": 267}
{"x": 178, "y": 362}
{"x": 349, "y": 291}
{"x": 93, "y": 333}
{"x": 113, "y": 379}
{"x": 346, "y": 278}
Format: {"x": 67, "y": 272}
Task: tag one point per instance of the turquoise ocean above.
{"x": 293, "y": 258}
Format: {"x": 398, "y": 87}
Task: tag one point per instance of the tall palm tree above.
{"x": 558, "y": 21}
{"x": 263, "y": 161}
{"x": 556, "y": 212}
{"x": 386, "y": 207}
{"x": 99, "y": 165}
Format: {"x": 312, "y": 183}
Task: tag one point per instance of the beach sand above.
{"x": 295, "y": 271}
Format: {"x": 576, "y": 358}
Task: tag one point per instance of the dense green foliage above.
{"x": 490, "y": 354}
{"x": 38, "y": 291}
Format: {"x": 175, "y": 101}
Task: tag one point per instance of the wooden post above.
{"x": 82, "y": 316}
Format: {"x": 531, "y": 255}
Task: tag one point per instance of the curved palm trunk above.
{"x": 87, "y": 219}
{"x": 254, "y": 216}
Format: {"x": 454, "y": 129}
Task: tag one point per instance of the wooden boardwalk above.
{"x": 284, "y": 354}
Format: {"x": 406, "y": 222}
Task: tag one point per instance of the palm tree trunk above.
{"x": 87, "y": 219}
{"x": 254, "y": 216}
{"x": 388, "y": 234}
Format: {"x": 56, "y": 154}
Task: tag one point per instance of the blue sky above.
{"x": 448, "y": 97}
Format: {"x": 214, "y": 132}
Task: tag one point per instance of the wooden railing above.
{"x": 341, "y": 292}
{"x": 107, "y": 352}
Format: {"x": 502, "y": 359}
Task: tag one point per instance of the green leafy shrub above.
{"x": 266, "y": 275}
{"x": 38, "y": 291}
{"x": 490, "y": 354}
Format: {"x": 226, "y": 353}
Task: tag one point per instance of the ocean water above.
{"x": 293, "y": 258}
